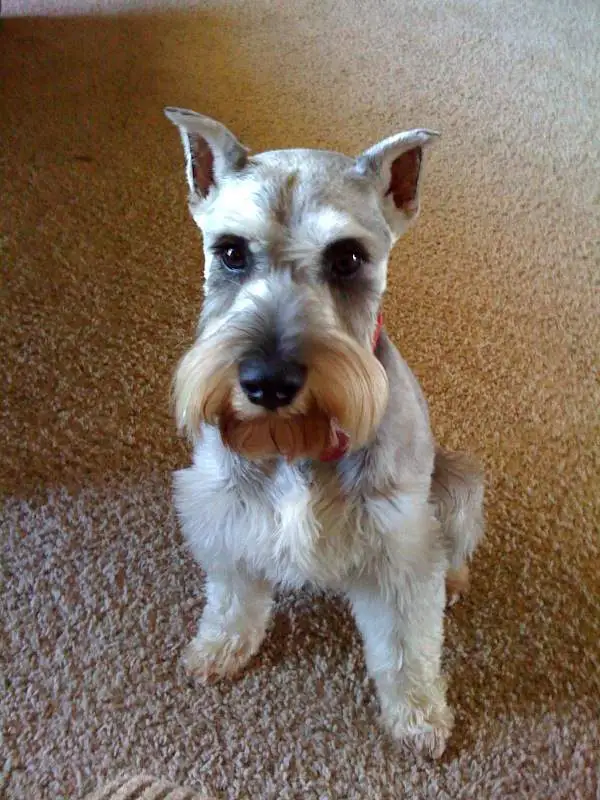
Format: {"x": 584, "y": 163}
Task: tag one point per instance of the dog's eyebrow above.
{"x": 322, "y": 227}
{"x": 246, "y": 224}
{"x": 241, "y": 210}
{"x": 225, "y": 239}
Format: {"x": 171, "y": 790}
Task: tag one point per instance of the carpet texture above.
{"x": 143, "y": 787}
{"x": 494, "y": 300}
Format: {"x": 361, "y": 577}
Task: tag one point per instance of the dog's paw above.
{"x": 457, "y": 584}
{"x": 424, "y": 734}
{"x": 211, "y": 659}
{"x": 430, "y": 743}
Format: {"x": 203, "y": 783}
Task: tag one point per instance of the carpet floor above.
{"x": 494, "y": 300}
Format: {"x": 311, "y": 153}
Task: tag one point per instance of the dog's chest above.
{"x": 317, "y": 530}
{"x": 290, "y": 525}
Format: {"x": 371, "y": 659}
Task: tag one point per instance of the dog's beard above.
{"x": 346, "y": 388}
{"x": 294, "y": 436}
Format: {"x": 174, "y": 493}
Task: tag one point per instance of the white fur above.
{"x": 259, "y": 289}
{"x": 237, "y": 210}
{"x": 319, "y": 227}
{"x": 386, "y": 554}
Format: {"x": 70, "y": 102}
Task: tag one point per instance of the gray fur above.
{"x": 384, "y": 523}
{"x": 457, "y": 494}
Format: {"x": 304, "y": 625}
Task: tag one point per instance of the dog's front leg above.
{"x": 232, "y": 626}
{"x": 403, "y": 642}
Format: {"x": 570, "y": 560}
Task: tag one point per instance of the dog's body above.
{"x": 314, "y": 461}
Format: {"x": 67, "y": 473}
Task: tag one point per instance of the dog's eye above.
{"x": 344, "y": 258}
{"x": 233, "y": 253}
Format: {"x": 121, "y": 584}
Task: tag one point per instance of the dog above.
{"x": 313, "y": 457}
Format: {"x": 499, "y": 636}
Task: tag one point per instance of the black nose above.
{"x": 271, "y": 382}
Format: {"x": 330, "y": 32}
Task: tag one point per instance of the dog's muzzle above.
{"x": 278, "y": 376}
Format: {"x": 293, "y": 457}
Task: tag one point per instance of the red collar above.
{"x": 339, "y": 450}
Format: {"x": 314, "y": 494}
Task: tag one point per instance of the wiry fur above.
{"x": 385, "y": 523}
{"x": 346, "y": 382}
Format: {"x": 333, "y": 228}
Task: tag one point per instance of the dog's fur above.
{"x": 395, "y": 515}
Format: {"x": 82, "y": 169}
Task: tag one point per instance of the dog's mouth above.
{"x": 300, "y": 428}
{"x": 340, "y": 394}
{"x": 275, "y": 433}
{"x": 333, "y": 412}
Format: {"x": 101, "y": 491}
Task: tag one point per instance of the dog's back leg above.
{"x": 457, "y": 495}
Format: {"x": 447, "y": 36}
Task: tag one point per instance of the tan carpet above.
{"x": 494, "y": 300}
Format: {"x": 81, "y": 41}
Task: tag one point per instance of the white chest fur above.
{"x": 289, "y": 527}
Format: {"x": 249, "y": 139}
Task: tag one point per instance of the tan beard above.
{"x": 347, "y": 388}
{"x": 304, "y": 435}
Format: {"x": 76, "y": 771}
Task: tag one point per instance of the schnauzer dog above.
{"x": 314, "y": 460}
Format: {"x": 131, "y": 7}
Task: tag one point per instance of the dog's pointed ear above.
{"x": 211, "y": 151}
{"x": 395, "y": 164}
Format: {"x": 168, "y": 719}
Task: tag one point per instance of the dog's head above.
{"x": 296, "y": 247}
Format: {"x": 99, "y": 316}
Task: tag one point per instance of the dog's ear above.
{"x": 395, "y": 164}
{"x": 211, "y": 151}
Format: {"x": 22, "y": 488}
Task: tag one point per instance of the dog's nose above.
{"x": 271, "y": 382}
